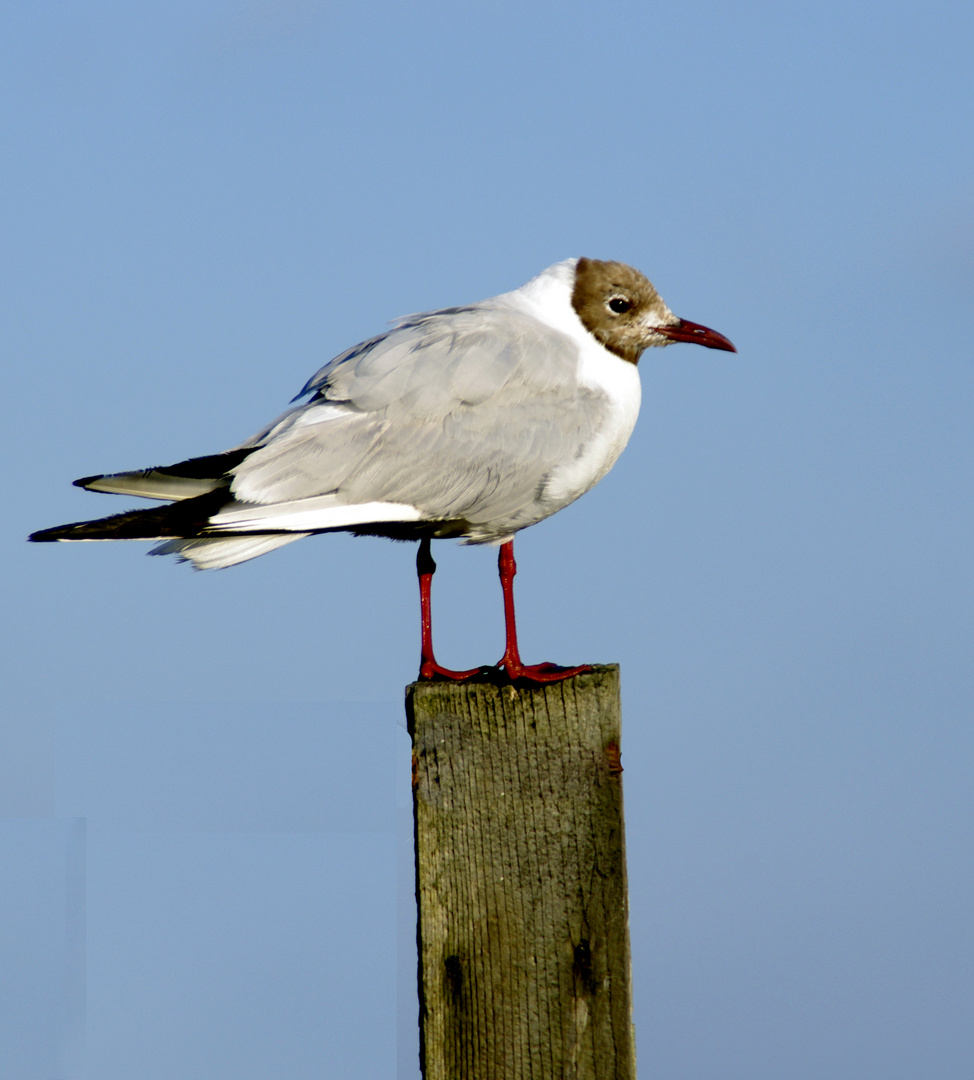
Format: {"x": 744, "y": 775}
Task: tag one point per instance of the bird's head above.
{"x": 622, "y": 310}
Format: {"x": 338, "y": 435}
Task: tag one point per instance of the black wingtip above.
{"x": 78, "y": 530}
{"x": 44, "y": 536}
{"x": 210, "y": 467}
{"x": 186, "y": 518}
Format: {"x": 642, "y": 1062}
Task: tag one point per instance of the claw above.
{"x": 540, "y": 673}
{"x": 431, "y": 671}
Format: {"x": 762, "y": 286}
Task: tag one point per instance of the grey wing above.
{"x": 462, "y": 414}
{"x": 431, "y": 362}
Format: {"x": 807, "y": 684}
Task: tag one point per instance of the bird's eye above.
{"x": 620, "y": 305}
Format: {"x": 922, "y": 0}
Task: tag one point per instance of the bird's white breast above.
{"x": 619, "y": 381}
{"x": 548, "y": 297}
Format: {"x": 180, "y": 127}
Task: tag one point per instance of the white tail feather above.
{"x": 312, "y": 514}
{"x": 214, "y": 554}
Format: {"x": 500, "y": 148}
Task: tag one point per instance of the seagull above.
{"x": 468, "y": 422}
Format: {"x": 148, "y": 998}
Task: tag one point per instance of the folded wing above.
{"x": 448, "y": 422}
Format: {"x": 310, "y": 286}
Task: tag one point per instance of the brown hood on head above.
{"x": 620, "y": 308}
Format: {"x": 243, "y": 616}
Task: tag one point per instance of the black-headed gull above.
{"x": 471, "y": 422}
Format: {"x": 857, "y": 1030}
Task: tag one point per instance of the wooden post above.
{"x": 521, "y": 881}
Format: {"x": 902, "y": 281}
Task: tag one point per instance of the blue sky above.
{"x": 206, "y": 775}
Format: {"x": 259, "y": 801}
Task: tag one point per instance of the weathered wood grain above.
{"x": 521, "y": 880}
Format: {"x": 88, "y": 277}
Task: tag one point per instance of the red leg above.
{"x": 511, "y": 660}
{"x": 428, "y": 667}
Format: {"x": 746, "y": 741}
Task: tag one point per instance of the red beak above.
{"x": 695, "y": 334}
